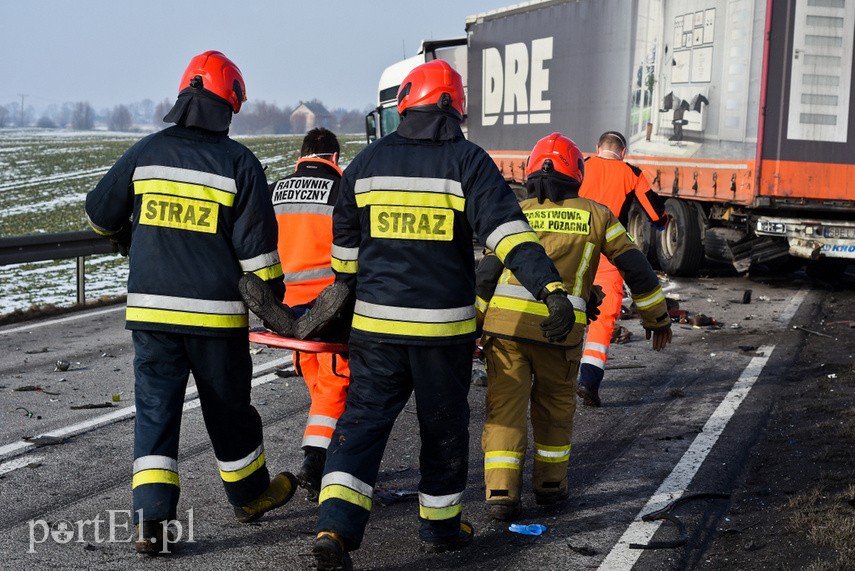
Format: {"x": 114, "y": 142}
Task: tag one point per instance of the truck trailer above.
{"x": 737, "y": 111}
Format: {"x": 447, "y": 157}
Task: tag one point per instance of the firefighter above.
{"x": 523, "y": 368}
{"x": 615, "y": 183}
{"x": 304, "y": 203}
{"x": 402, "y": 245}
{"x": 197, "y": 206}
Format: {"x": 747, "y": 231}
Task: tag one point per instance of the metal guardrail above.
{"x": 61, "y": 246}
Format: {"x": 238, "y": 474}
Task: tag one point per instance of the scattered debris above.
{"x": 27, "y": 413}
{"x": 665, "y": 514}
{"x": 37, "y": 351}
{"x": 45, "y": 440}
{"x": 701, "y": 320}
{"x": 530, "y": 529}
{"x": 621, "y": 335}
{"x": 117, "y": 398}
{"x": 285, "y": 373}
{"x": 92, "y": 405}
{"x": 746, "y": 297}
{"x": 613, "y": 367}
{"x": 62, "y": 365}
{"x": 831, "y": 376}
{"x": 479, "y": 377}
{"x": 812, "y": 332}
{"x": 747, "y": 348}
{"x": 677, "y": 393}
{"x": 847, "y": 323}
{"x": 387, "y": 497}
{"x": 585, "y": 550}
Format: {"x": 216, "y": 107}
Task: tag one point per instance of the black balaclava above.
{"x": 552, "y": 186}
{"x": 196, "y": 107}
{"x": 431, "y": 123}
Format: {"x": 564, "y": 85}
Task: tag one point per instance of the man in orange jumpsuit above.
{"x": 614, "y": 183}
{"x": 304, "y": 202}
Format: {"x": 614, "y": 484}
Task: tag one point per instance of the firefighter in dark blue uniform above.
{"x": 402, "y": 242}
{"x": 197, "y": 206}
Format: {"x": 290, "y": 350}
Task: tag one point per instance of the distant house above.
{"x": 309, "y": 115}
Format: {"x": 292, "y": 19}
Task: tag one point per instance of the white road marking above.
{"x": 621, "y": 556}
{"x": 21, "y": 446}
{"x": 6, "y": 467}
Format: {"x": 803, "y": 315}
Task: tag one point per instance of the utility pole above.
{"x": 22, "y": 95}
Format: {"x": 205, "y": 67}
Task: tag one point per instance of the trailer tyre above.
{"x": 679, "y": 247}
{"x": 639, "y": 227}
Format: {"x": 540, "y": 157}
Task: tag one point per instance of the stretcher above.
{"x": 304, "y": 345}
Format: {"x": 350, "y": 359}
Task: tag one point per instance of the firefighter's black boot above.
{"x": 154, "y": 538}
{"x": 330, "y": 554}
{"x": 309, "y": 476}
{"x": 329, "y": 303}
{"x": 259, "y": 298}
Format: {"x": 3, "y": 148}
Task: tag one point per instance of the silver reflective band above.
{"x": 291, "y": 208}
{"x": 519, "y": 292}
{"x": 409, "y": 184}
{"x": 591, "y": 346}
{"x": 348, "y": 481}
{"x": 505, "y": 230}
{"x": 416, "y": 315}
{"x": 155, "y": 463}
{"x": 186, "y": 175}
{"x": 502, "y": 459}
{"x": 186, "y": 304}
{"x": 345, "y": 254}
{"x": 235, "y": 465}
{"x": 260, "y": 261}
{"x": 321, "y": 420}
{"x": 306, "y": 275}
{"x": 440, "y": 501}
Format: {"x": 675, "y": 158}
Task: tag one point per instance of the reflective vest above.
{"x": 201, "y": 218}
{"x": 304, "y": 202}
{"x": 574, "y": 232}
{"x": 613, "y": 182}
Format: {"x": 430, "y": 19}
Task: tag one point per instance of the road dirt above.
{"x": 795, "y": 505}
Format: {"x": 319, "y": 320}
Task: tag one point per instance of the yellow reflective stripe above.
{"x": 270, "y": 272}
{"x": 184, "y": 190}
{"x": 174, "y": 317}
{"x": 649, "y": 300}
{"x": 409, "y": 328}
{"x": 439, "y": 514}
{"x": 344, "y": 266}
{"x": 584, "y": 264}
{"x": 507, "y": 459}
{"x": 531, "y": 307}
{"x": 339, "y": 492}
{"x": 552, "y": 286}
{"x": 480, "y": 303}
{"x": 237, "y": 475}
{"x": 614, "y": 231}
{"x": 155, "y": 477}
{"x": 410, "y": 198}
{"x": 508, "y": 243}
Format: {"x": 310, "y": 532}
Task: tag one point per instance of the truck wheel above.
{"x": 679, "y": 247}
{"x": 639, "y": 227}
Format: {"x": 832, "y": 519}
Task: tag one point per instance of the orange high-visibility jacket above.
{"x": 304, "y": 202}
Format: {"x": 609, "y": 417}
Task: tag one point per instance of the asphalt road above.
{"x": 674, "y": 423}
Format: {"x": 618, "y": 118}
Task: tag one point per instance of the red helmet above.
{"x": 219, "y": 75}
{"x": 432, "y": 83}
{"x": 556, "y": 153}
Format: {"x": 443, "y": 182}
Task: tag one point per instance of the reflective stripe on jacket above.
{"x": 201, "y": 218}
{"x": 403, "y": 230}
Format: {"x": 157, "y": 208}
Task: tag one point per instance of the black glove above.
{"x": 592, "y": 309}
{"x": 122, "y": 239}
{"x": 561, "y": 318}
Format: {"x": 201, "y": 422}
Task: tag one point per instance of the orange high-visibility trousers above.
{"x": 598, "y": 338}
{"x": 327, "y": 377}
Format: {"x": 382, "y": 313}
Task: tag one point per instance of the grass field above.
{"x": 44, "y": 178}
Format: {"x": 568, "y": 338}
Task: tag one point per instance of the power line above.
{"x": 22, "y": 95}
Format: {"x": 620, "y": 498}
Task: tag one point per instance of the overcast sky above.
{"x": 110, "y": 52}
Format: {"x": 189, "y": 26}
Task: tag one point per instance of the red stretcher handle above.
{"x": 305, "y": 345}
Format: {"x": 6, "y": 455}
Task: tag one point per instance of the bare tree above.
{"x": 120, "y": 119}
{"x": 160, "y": 111}
{"x": 83, "y": 116}
{"x": 4, "y": 116}
{"x": 45, "y": 122}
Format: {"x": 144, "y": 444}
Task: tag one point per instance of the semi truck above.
{"x": 739, "y": 112}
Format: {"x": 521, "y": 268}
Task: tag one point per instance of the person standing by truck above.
{"x": 402, "y": 245}
{"x": 614, "y": 183}
{"x": 197, "y": 206}
{"x": 524, "y": 370}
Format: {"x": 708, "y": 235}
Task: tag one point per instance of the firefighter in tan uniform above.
{"x": 522, "y": 366}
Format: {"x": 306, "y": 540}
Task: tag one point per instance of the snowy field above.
{"x": 44, "y": 178}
